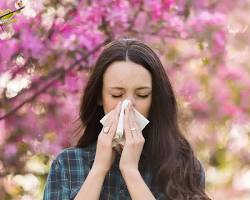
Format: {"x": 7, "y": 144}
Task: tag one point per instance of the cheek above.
{"x": 144, "y": 107}
{"x": 109, "y": 105}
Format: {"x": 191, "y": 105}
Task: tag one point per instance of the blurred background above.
{"x": 47, "y": 50}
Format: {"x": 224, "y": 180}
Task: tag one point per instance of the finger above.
{"x": 132, "y": 123}
{"x": 128, "y": 135}
{"x": 107, "y": 123}
{"x": 132, "y": 118}
{"x": 110, "y": 114}
{"x": 109, "y": 120}
{"x": 138, "y": 133}
{"x": 115, "y": 120}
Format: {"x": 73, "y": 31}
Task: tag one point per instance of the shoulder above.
{"x": 74, "y": 154}
{"x": 68, "y": 171}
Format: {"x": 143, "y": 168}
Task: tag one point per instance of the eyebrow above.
{"x": 139, "y": 88}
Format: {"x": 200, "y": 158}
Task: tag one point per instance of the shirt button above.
{"x": 121, "y": 191}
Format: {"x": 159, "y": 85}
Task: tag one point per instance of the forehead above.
{"x": 126, "y": 74}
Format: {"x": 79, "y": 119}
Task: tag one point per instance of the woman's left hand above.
{"x": 134, "y": 142}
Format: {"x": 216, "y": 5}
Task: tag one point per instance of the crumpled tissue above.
{"x": 119, "y": 138}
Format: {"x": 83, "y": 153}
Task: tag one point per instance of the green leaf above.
{"x": 6, "y": 16}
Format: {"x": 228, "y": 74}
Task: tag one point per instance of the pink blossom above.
{"x": 205, "y": 20}
{"x": 229, "y": 109}
{"x": 190, "y": 89}
{"x": 136, "y": 2}
{"x": 10, "y": 150}
{"x": 117, "y": 15}
{"x": 7, "y": 49}
{"x": 245, "y": 99}
{"x": 174, "y": 29}
{"x": 71, "y": 83}
{"x": 156, "y": 10}
{"x": 31, "y": 43}
{"x": 221, "y": 92}
{"x": 230, "y": 73}
{"x": 3, "y": 132}
{"x": 200, "y": 108}
{"x": 177, "y": 25}
{"x": 167, "y": 3}
{"x": 218, "y": 43}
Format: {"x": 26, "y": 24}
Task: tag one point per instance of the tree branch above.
{"x": 11, "y": 12}
{"x": 60, "y": 73}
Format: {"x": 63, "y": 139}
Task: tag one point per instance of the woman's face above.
{"x": 127, "y": 80}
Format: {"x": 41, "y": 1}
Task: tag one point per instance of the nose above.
{"x": 131, "y": 99}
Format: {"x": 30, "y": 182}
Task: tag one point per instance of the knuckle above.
{"x": 106, "y": 143}
{"x": 138, "y": 142}
{"x": 112, "y": 129}
{"x": 134, "y": 143}
{"x": 130, "y": 142}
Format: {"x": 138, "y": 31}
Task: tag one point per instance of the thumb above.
{"x": 116, "y": 117}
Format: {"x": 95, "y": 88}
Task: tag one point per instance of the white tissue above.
{"x": 119, "y": 137}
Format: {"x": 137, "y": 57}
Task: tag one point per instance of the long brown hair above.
{"x": 176, "y": 170}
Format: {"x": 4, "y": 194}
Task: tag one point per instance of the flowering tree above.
{"x": 48, "y": 47}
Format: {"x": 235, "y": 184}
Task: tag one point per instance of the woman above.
{"x": 155, "y": 163}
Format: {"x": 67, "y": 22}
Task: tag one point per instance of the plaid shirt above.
{"x": 71, "y": 167}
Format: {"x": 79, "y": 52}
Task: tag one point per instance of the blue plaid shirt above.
{"x": 71, "y": 167}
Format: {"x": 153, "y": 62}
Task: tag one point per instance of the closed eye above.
{"x": 142, "y": 96}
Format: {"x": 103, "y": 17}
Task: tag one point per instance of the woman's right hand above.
{"x": 105, "y": 155}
